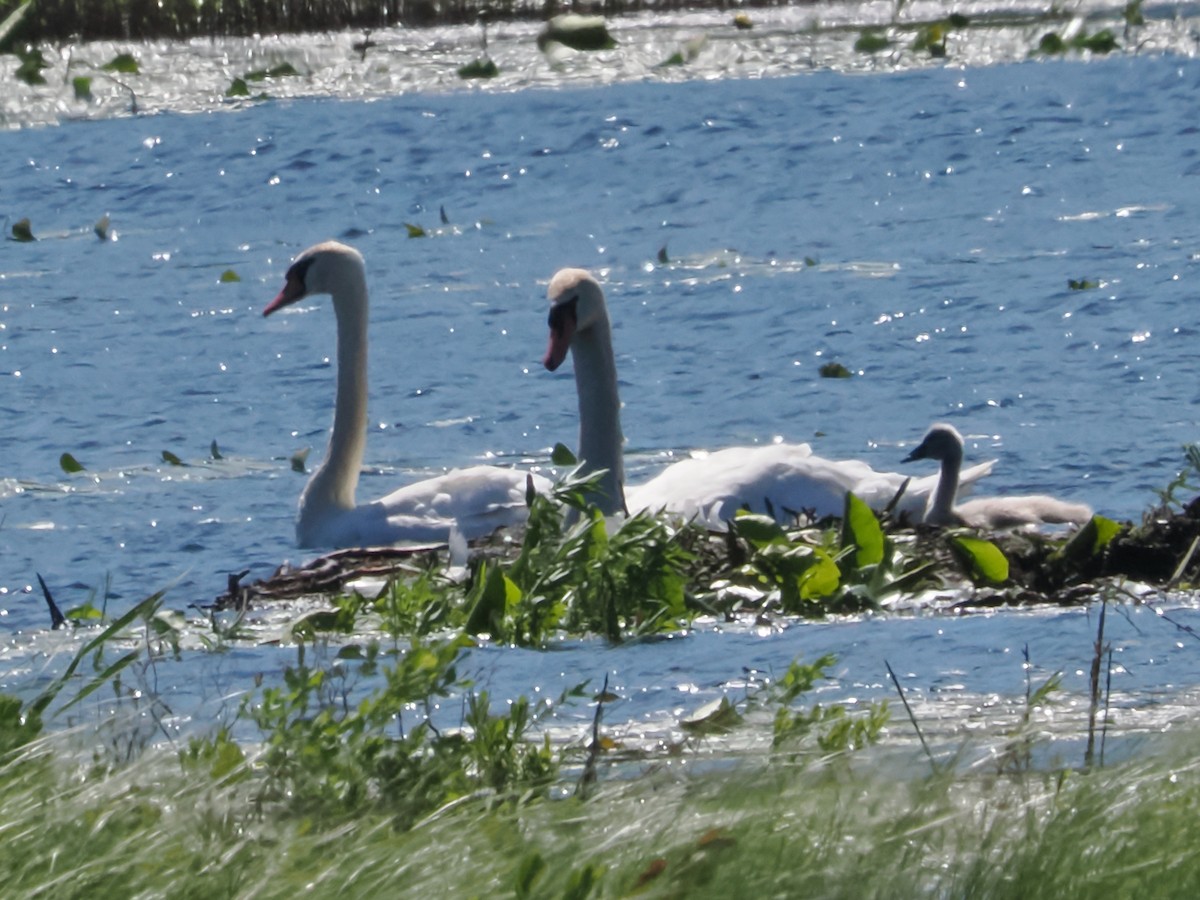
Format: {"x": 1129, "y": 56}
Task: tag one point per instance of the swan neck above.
{"x": 941, "y": 510}
{"x": 333, "y": 485}
{"x": 601, "y": 443}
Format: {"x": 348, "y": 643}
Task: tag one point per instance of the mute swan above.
{"x": 944, "y": 443}
{"x": 785, "y": 478}
{"x": 475, "y": 501}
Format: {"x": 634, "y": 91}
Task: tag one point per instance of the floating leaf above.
{"x": 1051, "y": 43}
{"x": 561, "y": 455}
{"x": 102, "y": 227}
{"x": 985, "y": 559}
{"x": 871, "y": 41}
{"x": 663, "y": 259}
{"x": 123, "y": 63}
{"x": 1101, "y": 42}
{"x": 214, "y": 450}
{"x": 32, "y": 63}
{"x": 83, "y": 88}
{"x": 479, "y": 68}
{"x": 85, "y": 613}
{"x": 22, "y": 231}
{"x": 834, "y": 370}
{"x": 1082, "y": 284}
{"x": 414, "y": 231}
{"x": 69, "y": 464}
{"x": 169, "y": 457}
{"x": 742, "y": 22}
{"x": 229, "y": 276}
{"x": 283, "y": 70}
{"x": 239, "y": 88}
{"x": 299, "y": 458}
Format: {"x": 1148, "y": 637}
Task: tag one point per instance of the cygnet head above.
{"x": 321, "y": 269}
{"x": 576, "y": 304}
{"x": 941, "y": 442}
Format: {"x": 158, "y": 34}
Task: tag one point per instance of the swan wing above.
{"x": 1013, "y": 512}
{"x": 478, "y": 500}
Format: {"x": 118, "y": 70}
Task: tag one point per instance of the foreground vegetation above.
{"x": 372, "y": 766}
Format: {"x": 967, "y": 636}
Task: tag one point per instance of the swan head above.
{"x": 576, "y": 304}
{"x": 324, "y": 268}
{"x": 941, "y": 442}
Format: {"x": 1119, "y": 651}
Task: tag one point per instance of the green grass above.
{"x": 845, "y": 826}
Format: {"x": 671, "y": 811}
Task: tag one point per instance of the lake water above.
{"x": 919, "y": 227}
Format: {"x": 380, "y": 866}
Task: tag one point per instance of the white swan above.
{"x": 475, "y": 501}
{"x": 783, "y": 478}
{"x": 943, "y": 442}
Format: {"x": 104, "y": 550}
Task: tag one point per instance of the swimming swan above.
{"x": 475, "y": 500}
{"x": 783, "y": 478}
{"x": 943, "y": 442}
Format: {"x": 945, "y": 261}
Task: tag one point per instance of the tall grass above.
{"x": 857, "y": 826}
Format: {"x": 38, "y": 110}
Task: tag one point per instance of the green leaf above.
{"x": 239, "y": 88}
{"x": 1096, "y": 534}
{"x": 69, "y": 464}
{"x": 123, "y": 63}
{"x": 169, "y": 457}
{"x": 663, "y": 259}
{"x": 23, "y": 231}
{"x": 282, "y": 70}
{"x": 561, "y": 455}
{"x": 757, "y": 529}
{"x": 32, "y": 63}
{"x": 85, "y": 613}
{"x": 229, "y": 276}
{"x": 479, "y": 68}
{"x": 861, "y": 530}
{"x": 83, "y": 88}
{"x": 414, "y": 231}
{"x": 871, "y": 41}
{"x": 834, "y": 370}
{"x": 986, "y": 560}
{"x": 529, "y": 869}
{"x": 215, "y": 451}
{"x": 821, "y": 579}
{"x": 495, "y": 597}
{"x": 102, "y": 227}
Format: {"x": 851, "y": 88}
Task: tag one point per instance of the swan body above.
{"x": 473, "y": 501}
{"x": 943, "y": 442}
{"x": 783, "y": 479}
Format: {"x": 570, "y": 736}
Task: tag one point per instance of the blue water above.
{"x": 921, "y": 228}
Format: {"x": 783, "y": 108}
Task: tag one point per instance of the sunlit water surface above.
{"x": 920, "y": 227}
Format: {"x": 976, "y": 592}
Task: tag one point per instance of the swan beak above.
{"x": 918, "y": 453}
{"x": 561, "y": 333}
{"x": 293, "y": 290}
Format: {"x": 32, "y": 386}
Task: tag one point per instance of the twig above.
{"x": 589, "y": 766}
{"x": 911, "y": 717}
{"x": 1094, "y": 681}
